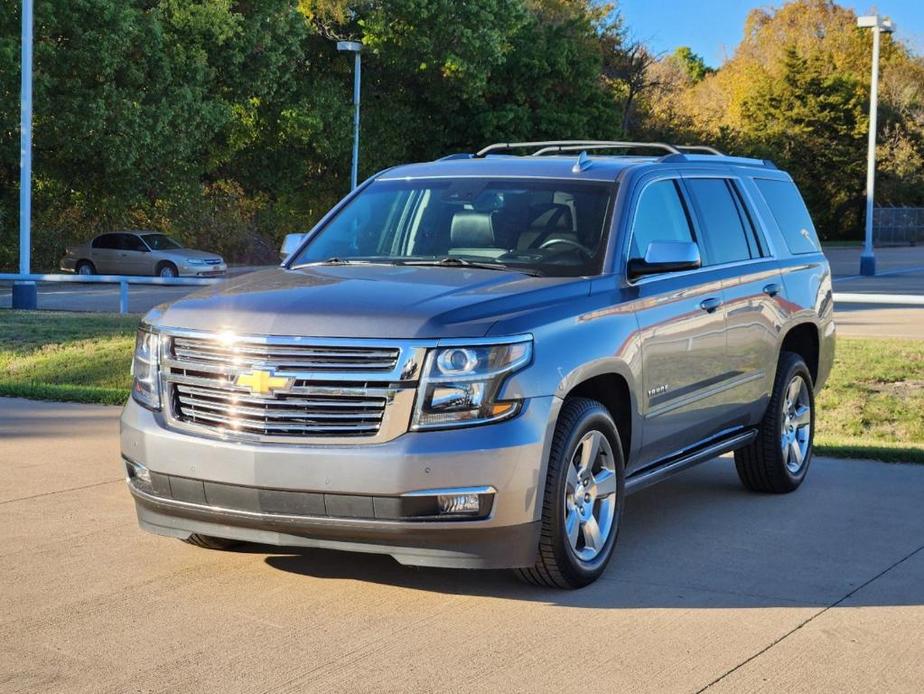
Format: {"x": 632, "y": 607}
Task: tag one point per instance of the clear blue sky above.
{"x": 713, "y": 28}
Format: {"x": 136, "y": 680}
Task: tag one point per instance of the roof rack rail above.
{"x": 605, "y": 145}
{"x": 571, "y": 146}
{"x": 700, "y": 148}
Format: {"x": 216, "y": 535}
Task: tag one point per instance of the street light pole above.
{"x": 878, "y": 25}
{"x": 25, "y": 293}
{"x": 355, "y": 48}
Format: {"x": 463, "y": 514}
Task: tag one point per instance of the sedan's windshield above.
{"x": 548, "y": 227}
{"x": 160, "y": 242}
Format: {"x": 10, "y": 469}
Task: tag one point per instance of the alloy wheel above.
{"x": 796, "y": 429}
{"x": 590, "y": 496}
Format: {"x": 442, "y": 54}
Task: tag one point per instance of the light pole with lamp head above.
{"x": 354, "y": 47}
{"x": 878, "y": 25}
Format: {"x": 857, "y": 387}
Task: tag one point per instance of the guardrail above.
{"x": 884, "y": 299}
{"x": 122, "y": 280}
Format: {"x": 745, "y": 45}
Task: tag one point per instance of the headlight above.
{"x": 460, "y": 384}
{"x": 146, "y": 369}
{"x": 196, "y": 261}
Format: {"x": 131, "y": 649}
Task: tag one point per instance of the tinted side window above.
{"x": 130, "y": 242}
{"x": 723, "y": 229}
{"x": 659, "y": 216}
{"x": 108, "y": 241}
{"x": 790, "y": 214}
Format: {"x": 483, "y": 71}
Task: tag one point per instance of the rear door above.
{"x": 752, "y": 286}
{"x": 681, "y": 320}
{"x": 105, "y": 253}
{"x": 133, "y": 256}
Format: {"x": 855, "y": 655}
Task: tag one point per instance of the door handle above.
{"x": 710, "y": 305}
{"x": 772, "y": 289}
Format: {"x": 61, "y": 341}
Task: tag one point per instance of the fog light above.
{"x": 459, "y": 503}
{"x": 139, "y": 475}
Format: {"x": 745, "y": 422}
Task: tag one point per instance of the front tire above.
{"x": 209, "y": 542}
{"x": 168, "y": 271}
{"x": 85, "y": 268}
{"x": 584, "y": 497}
{"x": 778, "y": 459}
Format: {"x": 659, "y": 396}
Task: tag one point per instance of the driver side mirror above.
{"x": 665, "y": 256}
{"x": 290, "y": 244}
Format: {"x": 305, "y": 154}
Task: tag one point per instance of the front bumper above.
{"x": 186, "y": 270}
{"x": 509, "y": 457}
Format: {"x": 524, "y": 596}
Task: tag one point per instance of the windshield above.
{"x": 160, "y": 242}
{"x": 553, "y": 228}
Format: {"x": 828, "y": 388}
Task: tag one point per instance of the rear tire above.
{"x": 209, "y": 542}
{"x": 585, "y": 492}
{"x": 778, "y": 459}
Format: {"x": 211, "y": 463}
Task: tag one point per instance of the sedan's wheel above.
{"x": 168, "y": 271}
{"x": 85, "y": 268}
{"x": 584, "y": 498}
{"x": 778, "y": 459}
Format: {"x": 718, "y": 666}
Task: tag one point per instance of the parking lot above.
{"x": 711, "y": 588}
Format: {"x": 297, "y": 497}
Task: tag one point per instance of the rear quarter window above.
{"x": 791, "y": 215}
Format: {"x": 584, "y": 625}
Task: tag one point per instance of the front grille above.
{"x": 336, "y": 390}
{"x": 288, "y": 357}
{"x": 285, "y": 415}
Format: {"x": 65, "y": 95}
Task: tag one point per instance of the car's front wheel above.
{"x": 85, "y": 268}
{"x": 209, "y": 542}
{"x": 584, "y": 498}
{"x": 778, "y": 459}
{"x": 167, "y": 271}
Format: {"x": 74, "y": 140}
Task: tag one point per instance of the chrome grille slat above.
{"x": 228, "y": 388}
{"x": 233, "y": 424}
{"x": 337, "y": 391}
{"x": 234, "y": 397}
{"x": 280, "y": 413}
{"x": 289, "y": 355}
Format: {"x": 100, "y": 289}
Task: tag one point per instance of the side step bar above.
{"x": 651, "y": 475}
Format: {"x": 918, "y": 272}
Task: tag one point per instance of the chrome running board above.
{"x": 671, "y": 466}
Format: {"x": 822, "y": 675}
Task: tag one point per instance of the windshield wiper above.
{"x": 453, "y": 261}
{"x": 344, "y": 261}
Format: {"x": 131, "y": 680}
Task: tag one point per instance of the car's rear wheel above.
{"x": 86, "y": 268}
{"x": 209, "y": 542}
{"x": 167, "y": 271}
{"x": 778, "y": 459}
{"x": 584, "y": 498}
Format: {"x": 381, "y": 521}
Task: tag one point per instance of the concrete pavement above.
{"x": 711, "y": 588}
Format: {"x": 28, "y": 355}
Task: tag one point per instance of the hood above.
{"x": 181, "y": 253}
{"x": 375, "y": 301}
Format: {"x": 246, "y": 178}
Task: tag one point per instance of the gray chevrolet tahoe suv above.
{"x": 472, "y": 362}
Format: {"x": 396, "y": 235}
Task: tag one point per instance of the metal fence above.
{"x": 122, "y": 280}
{"x": 898, "y": 226}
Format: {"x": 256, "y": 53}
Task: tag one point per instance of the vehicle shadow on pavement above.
{"x": 700, "y": 540}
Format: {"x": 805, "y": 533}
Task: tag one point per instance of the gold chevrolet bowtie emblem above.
{"x": 262, "y": 382}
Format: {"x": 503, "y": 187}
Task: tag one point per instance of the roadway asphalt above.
{"x": 712, "y": 588}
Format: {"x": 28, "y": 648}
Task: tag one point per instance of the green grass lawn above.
{"x": 872, "y": 407}
{"x": 77, "y": 357}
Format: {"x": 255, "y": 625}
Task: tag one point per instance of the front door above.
{"x": 681, "y": 320}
